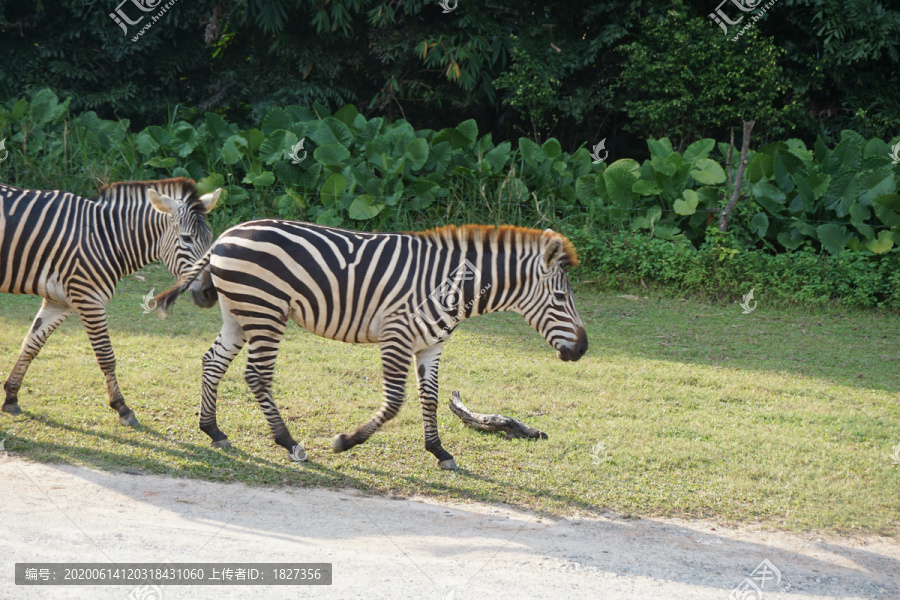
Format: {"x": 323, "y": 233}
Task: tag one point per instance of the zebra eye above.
{"x": 187, "y": 238}
{"x": 560, "y": 295}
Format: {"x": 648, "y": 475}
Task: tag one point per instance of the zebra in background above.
{"x": 72, "y": 251}
{"x": 404, "y": 291}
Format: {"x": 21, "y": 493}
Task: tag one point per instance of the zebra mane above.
{"x": 179, "y": 188}
{"x": 485, "y": 233}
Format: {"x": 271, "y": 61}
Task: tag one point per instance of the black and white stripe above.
{"x": 404, "y": 291}
{"x": 72, "y": 251}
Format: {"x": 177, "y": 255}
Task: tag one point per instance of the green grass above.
{"x": 784, "y": 417}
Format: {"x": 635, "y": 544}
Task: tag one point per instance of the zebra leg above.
{"x": 93, "y": 317}
{"x": 395, "y": 360}
{"x": 215, "y": 363}
{"x": 263, "y": 349}
{"x": 427, "y": 378}
{"x": 47, "y": 319}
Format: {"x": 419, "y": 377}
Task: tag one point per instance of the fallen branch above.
{"x": 512, "y": 427}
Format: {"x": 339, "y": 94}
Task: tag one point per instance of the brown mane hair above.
{"x": 181, "y": 187}
{"x": 475, "y": 233}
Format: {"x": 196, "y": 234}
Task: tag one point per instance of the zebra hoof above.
{"x": 224, "y": 443}
{"x": 340, "y": 443}
{"x": 12, "y": 409}
{"x": 449, "y": 464}
{"x": 129, "y": 420}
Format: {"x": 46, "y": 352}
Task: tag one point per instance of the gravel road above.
{"x": 383, "y": 548}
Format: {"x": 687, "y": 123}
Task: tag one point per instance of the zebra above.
{"x": 404, "y": 291}
{"x": 72, "y": 251}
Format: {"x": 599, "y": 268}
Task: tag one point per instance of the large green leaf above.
{"x": 439, "y": 158}
{"x": 875, "y": 183}
{"x": 340, "y": 132}
{"x": 586, "y": 189}
{"x": 210, "y": 183}
{"x": 834, "y": 237}
{"x": 699, "y": 149}
{"x": 259, "y": 178}
{"x": 497, "y": 157}
{"x": 365, "y": 207}
{"x": 891, "y": 201}
{"x": 645, "y": 187}
{"x": 847, "y": 154}
{"x": 218, "y": 128}
{"x": 332, "y": 188}
{"x": 469, "y": 130}
{"x": 841, "y": 193}
{"x": 331, "y": 154}
{"x": 233, "y": 149}
{"x": 761, "y": 166}
{"x": 277, "y": 145}
{"x": 759, "y": 224}
{"x": 552, "y": 148}
{"x": 784, "y": 167}
{"x": 159, "y": 162}
{"x": 881, "y": 244}
{"x": 347, "y": 114}
{"x": 417, "y": 153}
{"x": 146, "y": 144}
{"x": 330, "y": 218}
{"x": 687, "y": 205}
{"x": 708, "y": 172}
{"x": 876, "y": 147}
{"x": 277, "y": 118}
{"x": 531, "y": 152}
{"x": 619, "y": 178}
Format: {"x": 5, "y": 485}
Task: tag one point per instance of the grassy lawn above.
{"x": 783, "y": 417}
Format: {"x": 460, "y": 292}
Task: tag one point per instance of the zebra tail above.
{"x": 166, "y": 299}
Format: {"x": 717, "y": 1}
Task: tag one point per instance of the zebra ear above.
{"x": 553, "y": 252}
{"x": 161, "y": 202}
{"x": 208, "y": 201}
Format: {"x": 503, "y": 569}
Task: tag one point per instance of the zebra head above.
{"x": 549, "y": 306}
{"x": 186, "y": 237}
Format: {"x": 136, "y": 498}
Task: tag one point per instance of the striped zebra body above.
{"x": 404, "y": 291}
{"x": 72, "y": 251}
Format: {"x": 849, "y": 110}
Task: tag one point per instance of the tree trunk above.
{"x": 739, "y": 178}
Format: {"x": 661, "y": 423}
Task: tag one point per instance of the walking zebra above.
{"x": 73, "y": 251}
{"x": 403, "y": 291}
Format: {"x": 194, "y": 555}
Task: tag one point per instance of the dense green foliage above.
{"x": 388, "y": 175}
{"x": 376, "y": 174}
{"x": 490, "y": 61}
{"x": 682, "y": 81}
{"x": 625, "y": 262}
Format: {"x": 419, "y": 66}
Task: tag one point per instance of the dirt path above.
{"x": 392, "y": 549}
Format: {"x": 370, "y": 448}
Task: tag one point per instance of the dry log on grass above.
{"x": 512, "y": 427}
